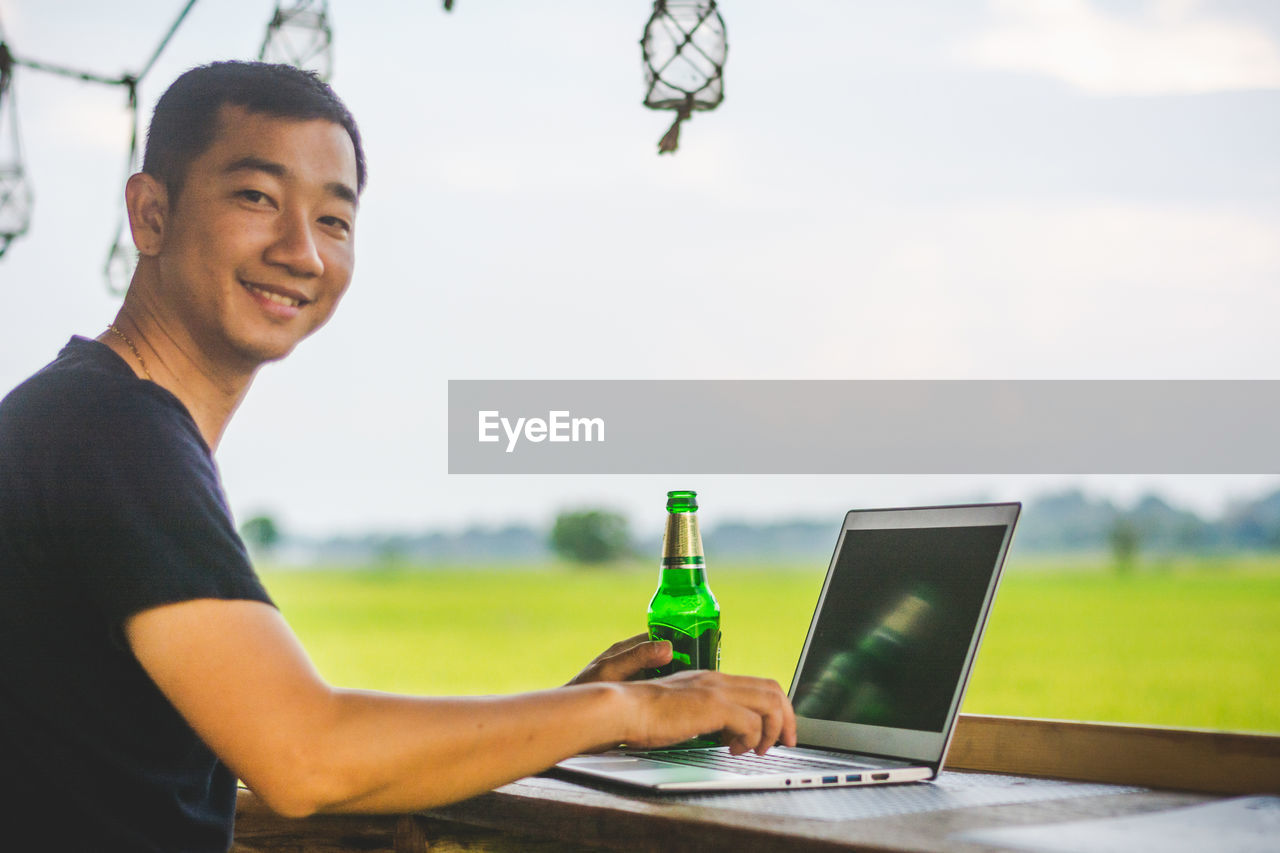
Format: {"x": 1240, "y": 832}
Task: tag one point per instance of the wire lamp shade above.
{"x": 684, "y": 48}
{"x": 15, "y": 190}
{"x": 300, "y": 35}
{"x": 122, "y": 257}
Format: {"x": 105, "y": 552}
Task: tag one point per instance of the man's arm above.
{"x": 239, "y": 676}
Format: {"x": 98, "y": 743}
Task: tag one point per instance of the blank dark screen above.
{"x": 900, "y": 612}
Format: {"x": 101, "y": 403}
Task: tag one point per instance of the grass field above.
{"x": 1190, "y": 644}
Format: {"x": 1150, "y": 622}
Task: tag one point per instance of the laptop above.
{"x": 883, "y": 669}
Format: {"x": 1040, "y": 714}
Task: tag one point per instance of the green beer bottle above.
{"x": 683, "y": 610}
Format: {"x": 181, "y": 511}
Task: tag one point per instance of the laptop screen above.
{"x": 896, "y": 625}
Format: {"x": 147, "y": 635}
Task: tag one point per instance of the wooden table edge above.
{"x": 1150, "y": 756}
{"x": 1147, "y": 756}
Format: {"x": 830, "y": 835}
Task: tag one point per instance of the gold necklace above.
{"x": 122, "y": 336}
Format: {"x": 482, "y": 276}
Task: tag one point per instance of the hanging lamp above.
{"x": 15, "y": 190}
{"x": 122, "y": 257}
{"x": 684, "y": 49}
{"x": 300, "y": 35}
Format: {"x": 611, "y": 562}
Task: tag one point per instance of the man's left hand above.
{"x": 626, "y": 660}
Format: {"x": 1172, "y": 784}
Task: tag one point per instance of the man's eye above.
{"x": 335, "y": 222}
{"x": 253, "y": 196}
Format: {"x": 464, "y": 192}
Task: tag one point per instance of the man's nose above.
{"x": 294, "y": 247}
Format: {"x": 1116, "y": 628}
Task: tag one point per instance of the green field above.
{"x": 1190, "y": 644}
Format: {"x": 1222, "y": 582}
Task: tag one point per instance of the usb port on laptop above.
{"x": 830, "y": 780}
{"x": 853, "y": 777}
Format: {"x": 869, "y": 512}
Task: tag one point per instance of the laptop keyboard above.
{"x": 747, "y": 764}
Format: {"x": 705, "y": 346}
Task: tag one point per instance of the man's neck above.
{"x": 152, "y": 344}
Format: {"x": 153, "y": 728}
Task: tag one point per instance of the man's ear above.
{"x": 147, "y": 201}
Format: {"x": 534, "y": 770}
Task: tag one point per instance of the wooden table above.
{"x": 1179, "y": 767}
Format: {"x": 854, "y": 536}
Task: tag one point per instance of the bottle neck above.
{"x": 680, "y": 576}
{"x": 682, "y": 542}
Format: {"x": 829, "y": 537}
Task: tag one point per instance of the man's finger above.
{"x": 623, "y": 645}
{"x": 744, "y": 730}
{"x": 635, "y": 660}
{"x": 626, "y": 660}
{"x": 785, "y": 719}
{"x": 774, "y": 714}
{"x": 786, "y": 734}
{"x": 770, "y": 730}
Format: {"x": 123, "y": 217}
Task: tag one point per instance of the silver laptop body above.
{"x": 884, "y": 667}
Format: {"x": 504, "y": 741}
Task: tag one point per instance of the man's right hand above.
{"x": 750, "y": 713}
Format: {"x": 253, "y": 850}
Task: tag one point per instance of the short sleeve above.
{"x": 141, "y": 504}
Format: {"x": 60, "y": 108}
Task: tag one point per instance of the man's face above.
{"x": 259, "y": 245}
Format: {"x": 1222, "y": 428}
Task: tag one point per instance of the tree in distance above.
{"x": 591, "y": 536}
{"x": 261, "y": 533}
{"x": 1124, "y": 539}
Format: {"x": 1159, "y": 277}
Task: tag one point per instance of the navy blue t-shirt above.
{"x": 110, "y": 504}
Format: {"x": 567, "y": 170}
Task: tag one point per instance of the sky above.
{"x": 1013, "y": 189}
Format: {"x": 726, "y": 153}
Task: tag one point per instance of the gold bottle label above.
{"x": 682, "y": 543}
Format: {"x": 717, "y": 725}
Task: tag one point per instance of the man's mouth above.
{"x": 272, "y": 296}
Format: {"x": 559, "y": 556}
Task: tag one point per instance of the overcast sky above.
{"x": 1016, "y": 189}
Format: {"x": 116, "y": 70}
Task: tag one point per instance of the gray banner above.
{"x": 804, "y": 427}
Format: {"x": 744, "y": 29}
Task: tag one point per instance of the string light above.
{"x": 16, "y": 197}
{"x": 300, "y": 35}
{"x": 684, "y": 48}
{"x": 122, "y": 258}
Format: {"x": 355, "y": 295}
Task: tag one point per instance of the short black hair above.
{"x": 185, "y": 121}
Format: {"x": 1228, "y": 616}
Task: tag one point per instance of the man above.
{"x": 142, "y": 665}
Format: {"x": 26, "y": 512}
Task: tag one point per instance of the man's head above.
{"x": 186, "y": 118}
{"x": 244, "y": 213}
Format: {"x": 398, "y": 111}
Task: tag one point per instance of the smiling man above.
{"x": 143, "y": 667}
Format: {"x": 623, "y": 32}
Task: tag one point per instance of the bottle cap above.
{"x": 682, "y": 501}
